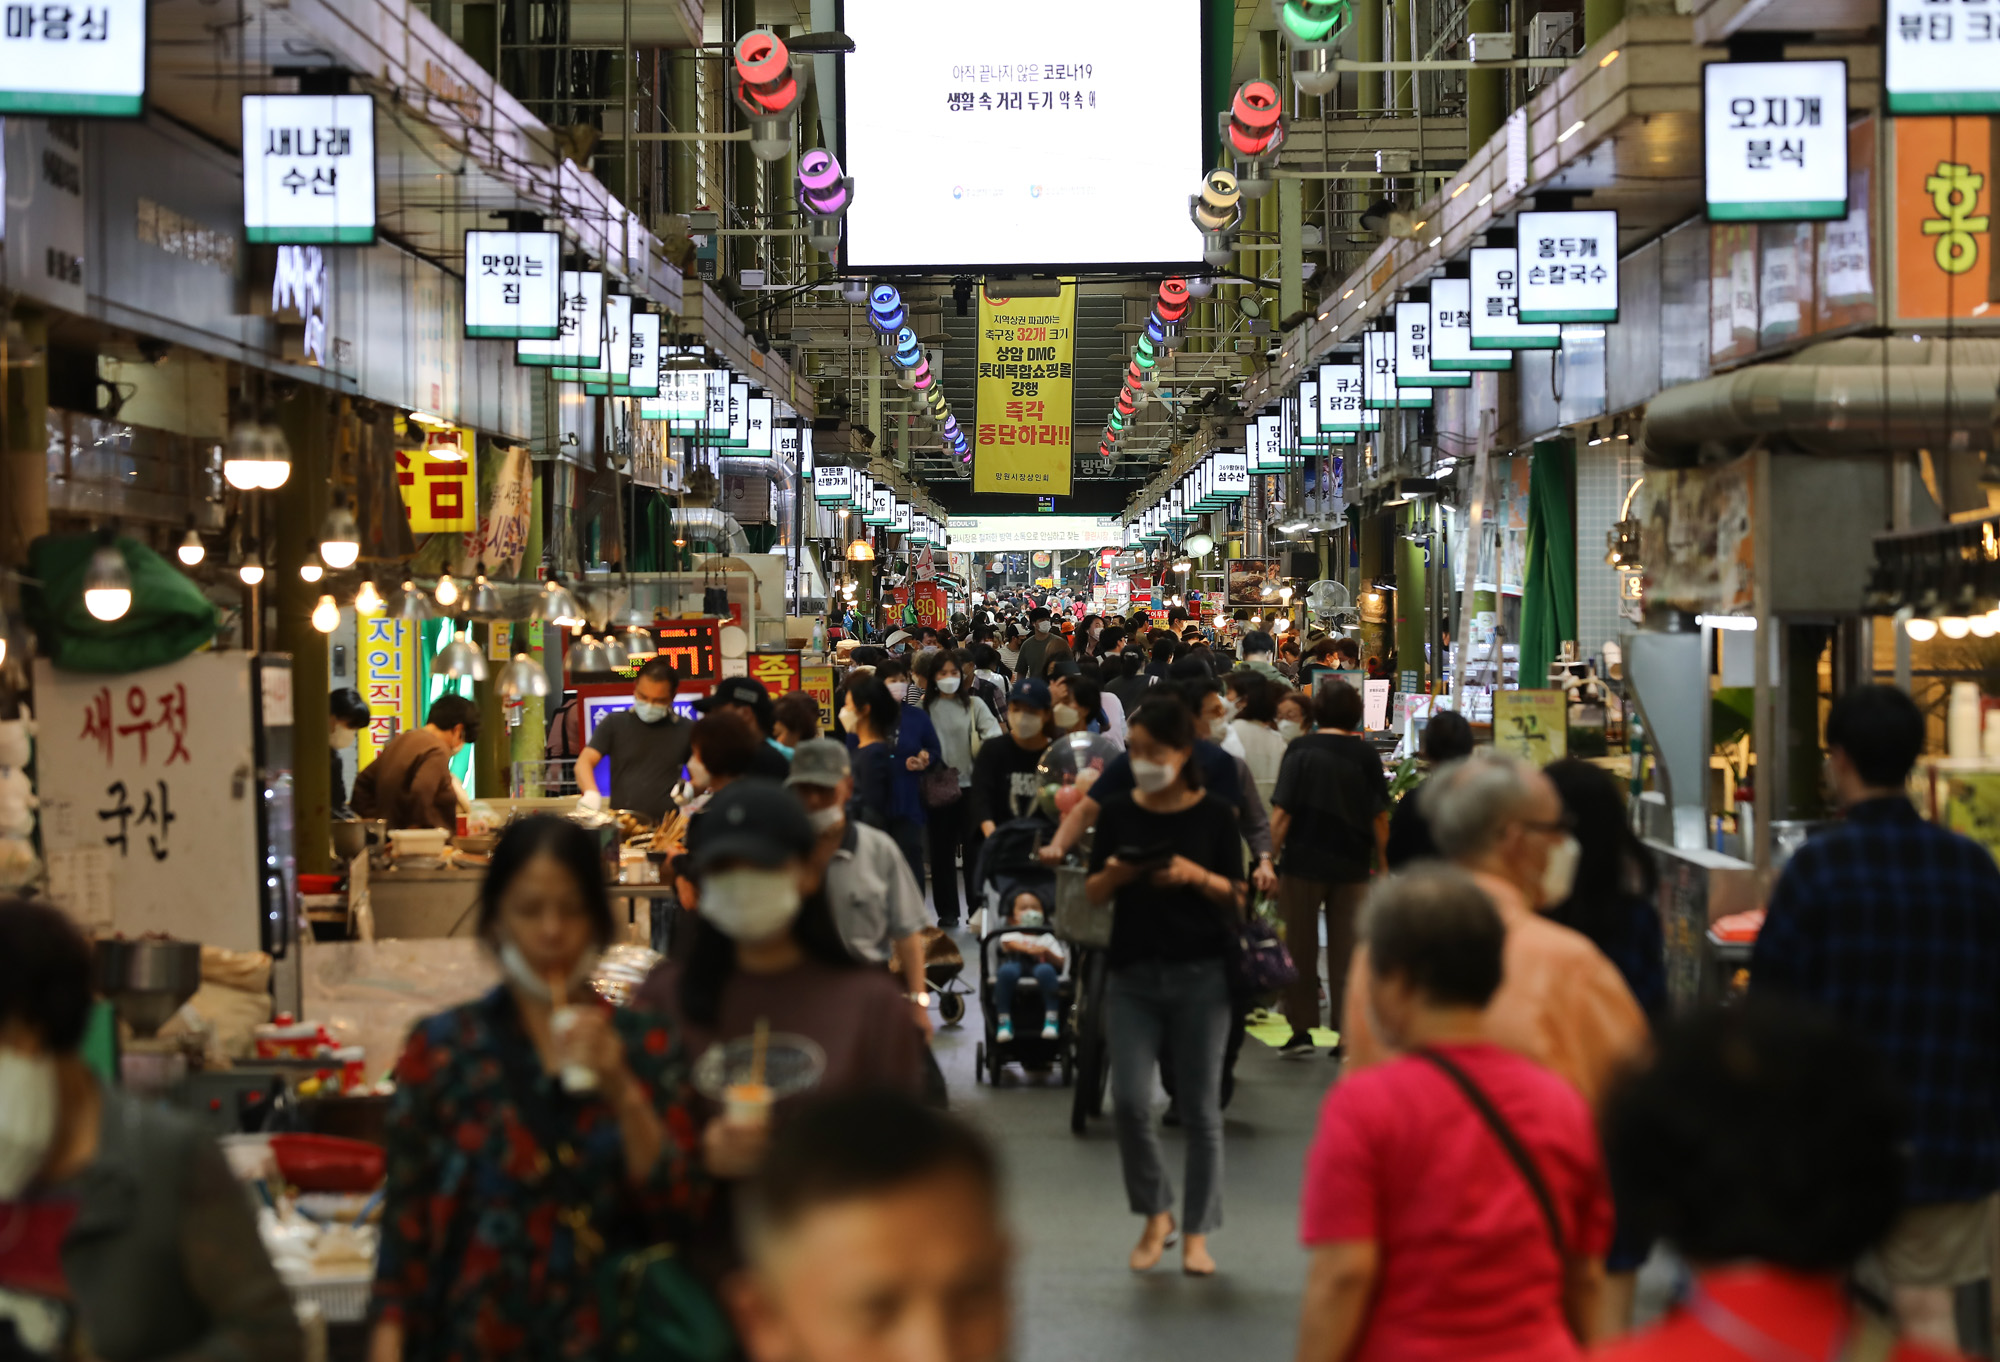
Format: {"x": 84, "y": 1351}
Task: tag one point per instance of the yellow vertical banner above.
{"x": 1027, "y": 362}
{"x": 388, "y": 683}
{"x": 439, "y": 480}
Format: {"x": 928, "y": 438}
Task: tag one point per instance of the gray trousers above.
{"x": 1148, "y": 1006}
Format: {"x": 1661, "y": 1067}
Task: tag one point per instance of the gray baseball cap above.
{"x": 819, "y": 761}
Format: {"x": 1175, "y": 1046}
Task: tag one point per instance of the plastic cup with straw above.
{"x": 749, "y": 1103}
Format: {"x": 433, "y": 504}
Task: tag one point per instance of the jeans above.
{"x": 1149, "y": 1005}
{"x": 950, "y": 831}
{"x": 1009, "y": 974}
{"x": 1299, "y": 903}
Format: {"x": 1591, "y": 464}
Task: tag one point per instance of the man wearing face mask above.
{"x": 866, "y": 881}
{"x": 1561, "y": 1002}
{"x": 646, "y": 744}
{"x": 123, "y": 1234}
{"x": 1005, "y": 782}
{"x": 1044, "y": 647}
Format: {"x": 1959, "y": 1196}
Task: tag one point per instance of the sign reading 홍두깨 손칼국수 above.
{"x": 1775, "y": 140}
{"x": 58, "y": 59}
{"x": 1941, "y": 58}
{"x": 308, "y": 166}
{"x": 1568, "y": 266}
{"x": 1022, "y": 439}
{"x": 513, "y": 285}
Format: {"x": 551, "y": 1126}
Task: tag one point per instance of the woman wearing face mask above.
{"x": 1005, "y": 779}
{"x": 964, "y": 725}
{"x": 1256, "y": 728}
{"x": 1293, "y": 715}
{"x": 534, "y": 1131}
{"x": 1078, "y": 705}
{"x": 893, "y": 745}
{"x": 123, "y": 1235}
{"x": 1010, "y": 648}
{"x": 989, "y": 680}
{"x": 765, "y": 951}
{"x": 1169, "y": 856}
{"x": 347, "y": 716}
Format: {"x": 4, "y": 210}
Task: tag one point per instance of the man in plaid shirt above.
{"x": 1892, "y": 924}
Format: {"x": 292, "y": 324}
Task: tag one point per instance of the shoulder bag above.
{"x": 1572, "y": 1266}
{"x": 1259, "y": 962}
{"x": 940, "y": 785}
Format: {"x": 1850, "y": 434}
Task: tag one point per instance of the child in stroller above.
{"x": 1028, "y": 951}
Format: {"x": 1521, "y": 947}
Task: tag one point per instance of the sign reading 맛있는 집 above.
{"x": 1027, "y": 349}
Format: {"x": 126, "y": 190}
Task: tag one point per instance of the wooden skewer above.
{"x": 760, "y": 1042}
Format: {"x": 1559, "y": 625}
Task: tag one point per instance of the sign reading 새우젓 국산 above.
{"x": 1022, "y": 440}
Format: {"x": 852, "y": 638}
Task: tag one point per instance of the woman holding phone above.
{"x": 1169, "y": 857}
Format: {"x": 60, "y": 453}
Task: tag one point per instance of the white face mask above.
{"x": 1288, "y": 729}
{"x": 750, "y": 904}
{"x": 1025, "y": 725}
{"x": 850, "y": 722}
{"x": 517, "y": 969}
{"x": 1068, "y": 717}
{"x": 1217, "y": 729}
{"x": 1559, "y": 871}
{"x": 697, "y": 773}
{"x": 899, "y": 688}
{"x": 1153, "y": 776}
{"x": 343, "y": 737}
{"x": 27, "y": 1118}
{"x": 649, "y": 713}
{"x": 947, "y": 685}
{"x": 1041, "y": 626}
{"x": 1028, "y": 917}
{"x": 826, "y": 819}
{"x": 1228, "y": 709}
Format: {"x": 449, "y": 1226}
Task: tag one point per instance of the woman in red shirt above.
{"x": 1762, "y": 1143}
{"x": 1455, "y": 1204}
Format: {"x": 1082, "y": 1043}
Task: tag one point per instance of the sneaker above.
{"x": 1050, "y": 1031}
{"x": 1300, "y": 1046}
{"x": 1003, "y": 1031}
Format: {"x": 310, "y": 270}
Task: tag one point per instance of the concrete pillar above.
{"x": 1291, "y": 254}
{"x": 1600, "y": 17}
{"x": 744, "y": 195}
{"x": 1402, "y": 84}
{"x": 529, "y": 738}
{"x": 307, "y": 418}
{"x": 683, "y": 192}
{"x": 1368, "y": 47}
{"x": 1485, "y": 91}
{"x": 1412, "y": 597}
{"x": 26, "y": 485}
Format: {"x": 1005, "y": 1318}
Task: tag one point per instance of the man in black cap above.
{"x": 746, "y": 698}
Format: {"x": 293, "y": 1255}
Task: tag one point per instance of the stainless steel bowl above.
{"x": 147, "y": 981}
{"x": 355, "y": 836}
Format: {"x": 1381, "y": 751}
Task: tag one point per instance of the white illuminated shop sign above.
{"x": 580, "y": 325}
{"x": 903, "y": 523}
{"x": 644, "y": 378}
{"x": 757, "y": 426}
{"x": 1413, "y": 351}
{"x": 1941, "y": 58}
{"x": 1451, "y": 331}
{"x": 881, "y": 507}
{"x": 1268, "y": 450}
{"x": 513, "y": 285}
{"x": 66, "y": 60}
{"x": 1775, "y": 140}
{"x": 614, "y": 367}
{"x": 1232, "y": 475}
{"x": 1378, "y": 380}
{"x": 1568, "y": 266}
{"x": 1340, "y": 410}
{"x": 833, "y": 484}
{"x": 1496, "y": 305}
{"x": 308, "y": 165}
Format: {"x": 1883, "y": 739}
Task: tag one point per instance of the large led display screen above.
{"x": 1049, "y": 133}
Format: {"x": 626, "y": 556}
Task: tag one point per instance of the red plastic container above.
{"x": 319, "y": 884}
{"x": 328, "y": 1163}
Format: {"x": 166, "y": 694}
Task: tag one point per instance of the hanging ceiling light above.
{"x": 639, "y": 641}
{"x": 486, "y": 603}
{"x": 588, "y": 657}
{"x": 191, "y": 550}
{"x": 458, "y": 659}
{"x": 521, "y": 679}
{"x": 447, "y": 591}
{"x": 861, "y": 551}
{"x": 615, "y": 657}
{"x": 326, "y": 615}
{"x": 558, "y": 606}
{"x": 311, "y": 570}
{"x": 252, "y": 569}
{"x": 367, "y": 601}
{"x": 416, "y": 606}
{"x": 107, "y": 583}
{"x": 339, "y": 538}
{"x": 256, "y": 457}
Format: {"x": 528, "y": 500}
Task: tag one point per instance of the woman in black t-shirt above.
{"x": 1170, "y": 857}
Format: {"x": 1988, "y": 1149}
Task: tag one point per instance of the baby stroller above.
{"x": 1007, "y": 869}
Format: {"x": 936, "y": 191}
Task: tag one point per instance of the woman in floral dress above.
{"x": 534, "y": 1132}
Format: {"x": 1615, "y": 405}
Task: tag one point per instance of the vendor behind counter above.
{"x": 410, "y": 783}
{"x": 647, "y": 745}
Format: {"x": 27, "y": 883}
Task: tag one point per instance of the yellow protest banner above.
{"x": 439, "y": 480}
{"x": 1027, "y": 352}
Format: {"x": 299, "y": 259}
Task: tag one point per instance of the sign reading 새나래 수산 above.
{"x": 1027, "y": 349}
{"x": 1775, "y": 140}
{"x": 308, "y": 165}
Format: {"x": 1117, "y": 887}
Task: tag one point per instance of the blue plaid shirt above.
{"x": 1892, "y": 924}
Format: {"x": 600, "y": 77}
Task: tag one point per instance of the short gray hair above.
{"x": 1469, "y": 802}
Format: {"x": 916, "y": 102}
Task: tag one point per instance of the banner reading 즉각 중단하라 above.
{"x": 1027, "y": 350}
